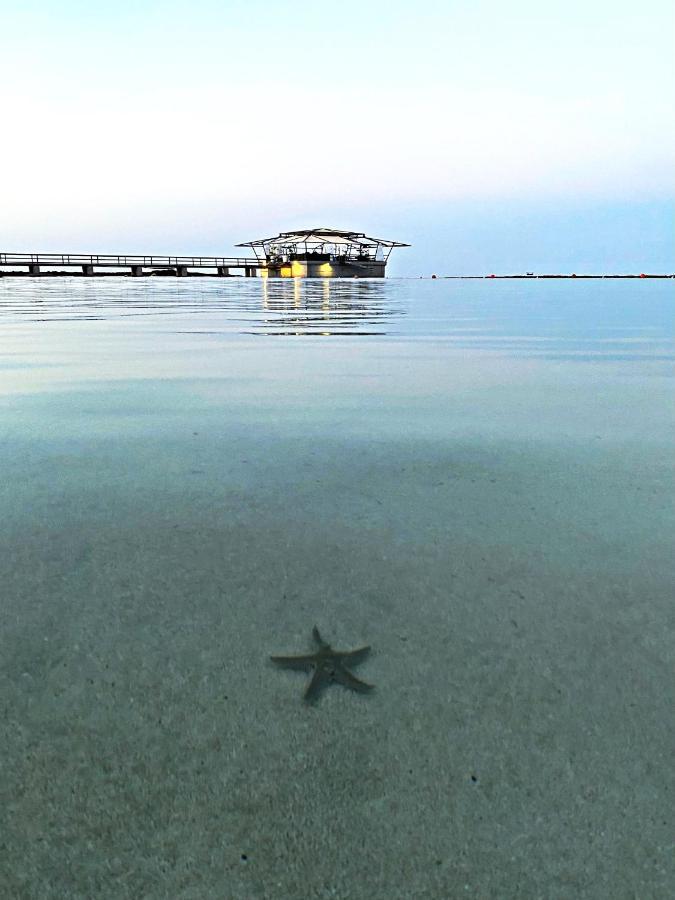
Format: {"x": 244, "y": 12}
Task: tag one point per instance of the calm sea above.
{"x": 472, "y": 477}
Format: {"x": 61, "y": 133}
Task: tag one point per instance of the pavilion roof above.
{"x": 323, "y": 236}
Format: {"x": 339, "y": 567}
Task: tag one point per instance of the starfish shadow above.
{"x": 328, "y": 665}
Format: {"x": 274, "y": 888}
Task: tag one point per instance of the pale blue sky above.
{"x": 491, "y": 135}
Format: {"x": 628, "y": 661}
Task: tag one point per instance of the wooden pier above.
{"x": 136, "y": 264}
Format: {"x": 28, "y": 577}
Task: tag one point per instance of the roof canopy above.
{"x": 315, "y": 237}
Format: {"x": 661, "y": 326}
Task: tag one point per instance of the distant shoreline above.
{"x": 529, "y": 277}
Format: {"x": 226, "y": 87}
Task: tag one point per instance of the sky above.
{"x": 492, "y": 136}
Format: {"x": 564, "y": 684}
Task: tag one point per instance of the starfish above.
{"x": 328, "y": 666}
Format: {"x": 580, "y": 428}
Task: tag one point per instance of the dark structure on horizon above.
{"x": 322, "y": 253}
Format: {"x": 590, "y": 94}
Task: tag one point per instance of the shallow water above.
{"x": 473, "y": 477}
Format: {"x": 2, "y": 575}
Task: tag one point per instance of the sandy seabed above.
{"x": 519, "y": 741}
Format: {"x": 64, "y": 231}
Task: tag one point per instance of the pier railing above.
{"x": 125, "y": 260}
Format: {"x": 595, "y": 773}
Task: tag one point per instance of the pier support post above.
{"x": 33, "y": 269}
{"x": 87, "y": 269}
{"x": 181, "y": 271}
{"x": 249, "y": 272}
{"x": 223, "y": 271}
{"x": 136, "y": 271}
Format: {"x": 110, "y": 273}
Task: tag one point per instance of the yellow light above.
{"x": 325, "y": 270}
{"x": 297, "y": 269}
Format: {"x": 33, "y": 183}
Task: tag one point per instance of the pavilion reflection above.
{"x": 327, "y": 307}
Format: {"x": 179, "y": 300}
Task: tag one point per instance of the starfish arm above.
{"x": 344, "y": 676}
{"x": 295, "y": 662}
{"x": 354, "y": 655}
{"x": 317, "y": 637}
{"x": 315, "y": 685}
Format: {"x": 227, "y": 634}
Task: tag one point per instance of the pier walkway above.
{"x": 54, "y": 263}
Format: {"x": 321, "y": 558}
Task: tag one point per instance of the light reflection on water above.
{"x": 327, "y": 308}
{"x": 276, "y": 307}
